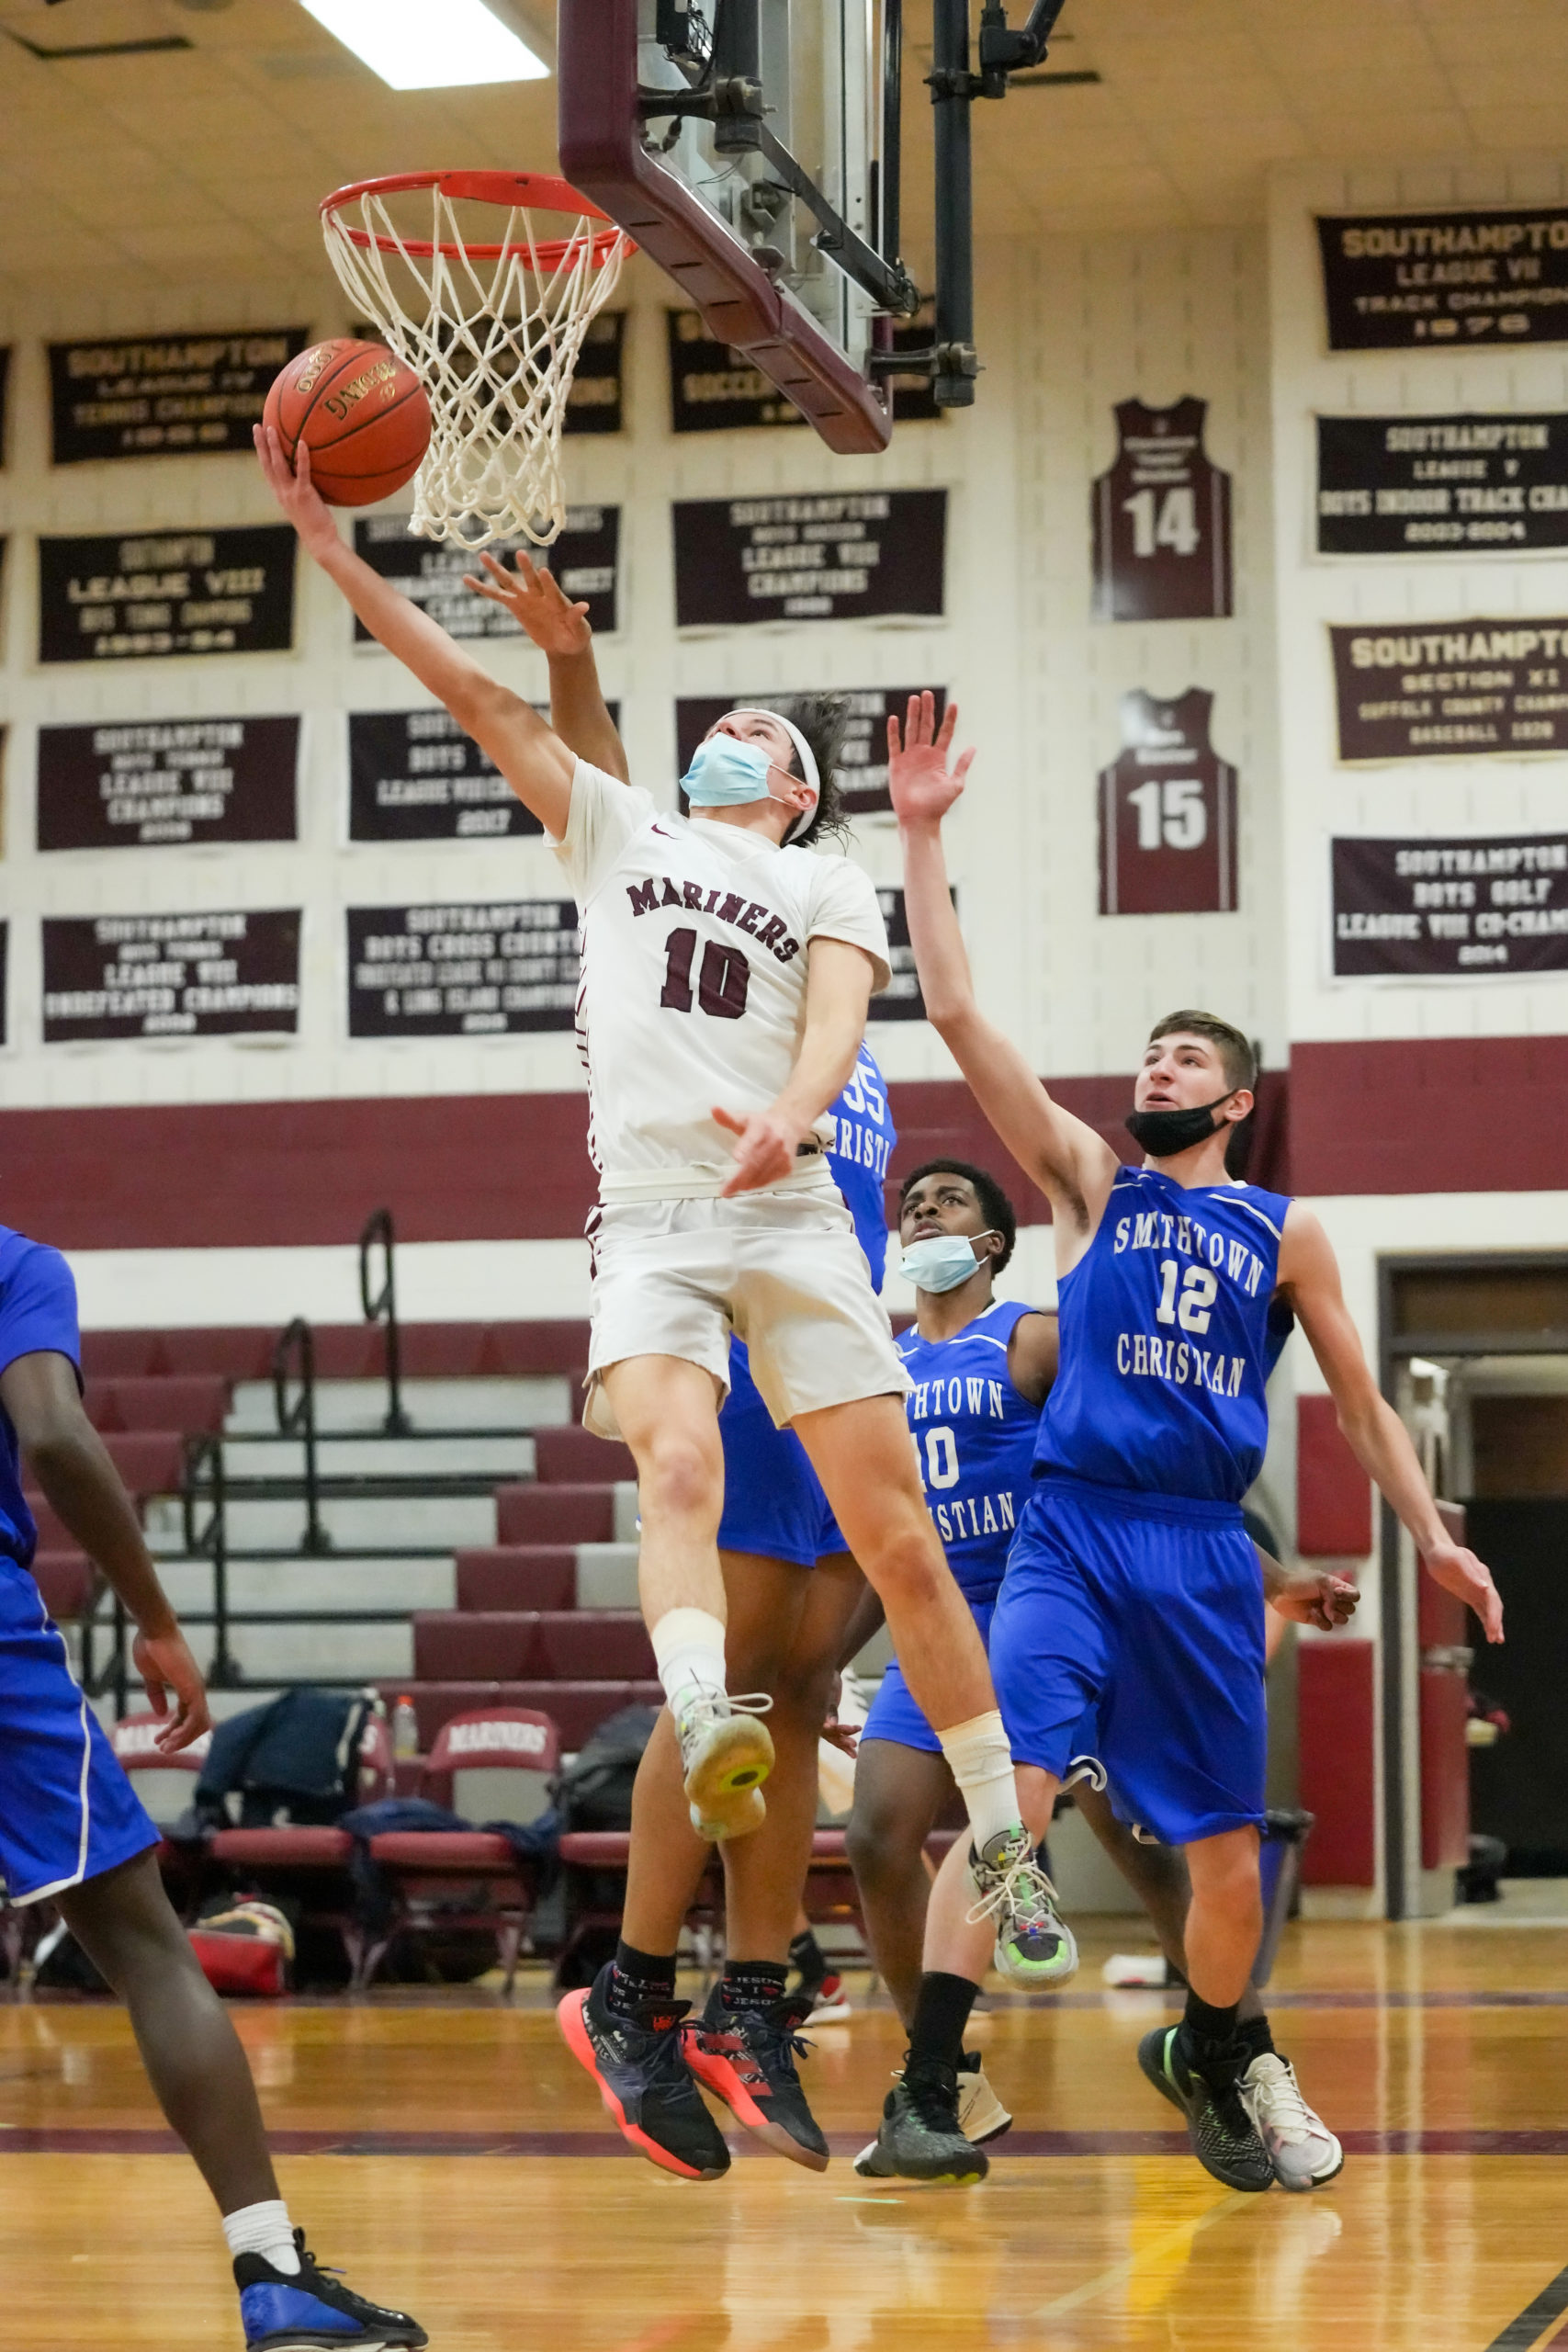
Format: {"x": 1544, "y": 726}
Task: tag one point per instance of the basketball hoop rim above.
{"x": 511, "y": 190}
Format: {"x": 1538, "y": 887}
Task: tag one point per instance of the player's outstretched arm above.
{"x": 1072, "y": 1164}
{"x": 1309, "y": 1274}
{"x": 837, "y": 992}
{"x": 71, "y": 1464}
{"x": 579, "y": 713}
{"x": 532, "y": 758}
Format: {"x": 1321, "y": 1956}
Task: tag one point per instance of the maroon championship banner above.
{"x": 1396, "y": 281}
{"x": 901, "y": 999}
{"x": 159, "y": 594}
{"x": 845, "y": 555}
{"x": 1162, "y": 520}
{"x": 863, "y": 767}
{"x": 1410, "y": 485}
{"x": 480, "y": 970}
{"x": 107, "y": 977}
{"x": 1167, "y": 812}
{"x": 165, "y": 395}
{"x": 585, "y": 560}
{"x": 1450, "y": 910}
{"x": 139, "y": 783}
{"x": 1452, "y": 689}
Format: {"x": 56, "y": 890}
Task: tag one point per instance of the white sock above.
{"x": 265, "y": 2230}
{"x": 688, "y": 1648}
{"x": 981, "y": 1762}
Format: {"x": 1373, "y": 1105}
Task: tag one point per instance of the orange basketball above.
{"x": 361, "y": 412}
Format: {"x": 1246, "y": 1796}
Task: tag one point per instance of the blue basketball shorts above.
{"x": 67, "y": 1811}
{"x": 894, "y": 1715}
{"x": 774, "y": 1502}
{"x": 1145, "y": 1612}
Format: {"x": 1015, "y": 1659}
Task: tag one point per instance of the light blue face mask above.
{"x": 941, "y": 1261}
{"x": 726, "y": 772}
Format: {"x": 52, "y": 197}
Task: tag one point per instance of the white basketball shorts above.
{"x": 781, "y": 1271}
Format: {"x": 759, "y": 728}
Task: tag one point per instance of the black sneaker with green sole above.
{"x": 919, "y": 2138}
{"x": 1207, "y": 2090}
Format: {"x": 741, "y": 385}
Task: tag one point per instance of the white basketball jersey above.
{"x": 693, "y": 991}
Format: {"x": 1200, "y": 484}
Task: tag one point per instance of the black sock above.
{"x": 1255, "y": 2034}
{"x": 638, "y": 1976}
{"x": 752, "y": 1983}
{"x": 941, "y": 2012}
{"x": 806, "y": 1954}
{"x": 1210, "y": 2025}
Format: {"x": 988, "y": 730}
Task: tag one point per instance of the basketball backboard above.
{"x": 752, "y": 148}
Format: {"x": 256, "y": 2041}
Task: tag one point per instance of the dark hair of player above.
{"x": 994, "y": 1206}
{"x": 1236, "y": 1058}
{"x": 823, "y": 719}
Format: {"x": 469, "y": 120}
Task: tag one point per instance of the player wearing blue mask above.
{"x": 1132, "y": 1588}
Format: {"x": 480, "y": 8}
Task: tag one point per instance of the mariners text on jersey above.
{"x": 732, "y": 907}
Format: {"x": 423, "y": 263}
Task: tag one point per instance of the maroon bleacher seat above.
{"x": 344, "y": 1351}
{"x": 577, "y": 1708}
{"x": 567, "y": 1456}
{"x": 518, "y": 1576}
{"x": 69, "y": 1583}
{"x": 578, "y": 1643}
{"x": 151, "y": 1462}
{"x": 555, "y": 1515}
{"x": 520, "y": 1646}
{"x": 187, "y": 1402}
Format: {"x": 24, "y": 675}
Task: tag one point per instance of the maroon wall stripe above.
{"x": 1444, "y": 1114}
{"x": 1430, "y": 1115}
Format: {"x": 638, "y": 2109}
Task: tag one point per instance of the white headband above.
{"x": 808, "y": 758}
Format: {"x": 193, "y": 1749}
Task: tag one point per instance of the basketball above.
{"x": 362, "y": 413}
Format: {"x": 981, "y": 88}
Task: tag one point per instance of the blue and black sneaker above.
{"x": 311, "y": 2310}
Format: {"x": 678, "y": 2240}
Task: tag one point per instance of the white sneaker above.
{"x": 981, "y": 2115}
{"x": 1302, "y": 2149}
{"x": 1034, "y": 1946}
{"x": 726, "y": 1754}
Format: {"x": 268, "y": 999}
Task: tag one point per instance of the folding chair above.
{"x": 496, "y": 1762}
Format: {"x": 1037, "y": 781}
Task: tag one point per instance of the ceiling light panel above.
{"x": 429, "y": 44}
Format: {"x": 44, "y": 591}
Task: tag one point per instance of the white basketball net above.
{"x": 495, "y": 343}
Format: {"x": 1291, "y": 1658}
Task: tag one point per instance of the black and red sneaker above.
{"x": 746, "y": 2057}
{"x": 640, "y": 2064}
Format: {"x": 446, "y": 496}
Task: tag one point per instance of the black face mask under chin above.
{"x": 1162, "y": 1134}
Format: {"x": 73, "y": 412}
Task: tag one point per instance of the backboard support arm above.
{"x": 603, "y": 153}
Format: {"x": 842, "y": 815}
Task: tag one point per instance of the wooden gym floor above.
{"x": 446, "y": 2152}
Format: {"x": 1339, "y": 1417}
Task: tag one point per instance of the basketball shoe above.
{"x": 981, "y": 2115}
{"x": 1206, "y": 2084}
{"x": 920, "y": 2137}
{"x": 1302, "y": 2149}
{"x": 640, "y": 2064}
{"x": 725, "y": 1753}
{"x": 1034, "y": 1945}
{"x": 299, "y": 2311}
{"x": 746, "y": 2057}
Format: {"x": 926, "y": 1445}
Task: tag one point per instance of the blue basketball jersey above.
{"x": 1167, "y": 1341}
{"x": 37, "y": 1315}
{"x": 860, "y": 1157}
{"x": 975, "y": 1439}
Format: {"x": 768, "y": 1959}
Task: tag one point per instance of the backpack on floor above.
{"x": 244, "y": 1948}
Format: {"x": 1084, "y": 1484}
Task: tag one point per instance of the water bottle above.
{"x": 405, "y": 1729}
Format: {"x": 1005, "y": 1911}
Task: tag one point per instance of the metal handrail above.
{"x": 205, "y": 1480}
{"x": 297, "y": 1419}
{"x": 383, "y": 1308}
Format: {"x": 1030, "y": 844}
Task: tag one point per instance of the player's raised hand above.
{"x": 1459, "y": 1571}
{"x": 922, "y": 786}
{"x": 535, "y": 601}
{"x": 165, "y": 1665}
{"x": 294, "y": 492}
{"x": 766, "y": 1152}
